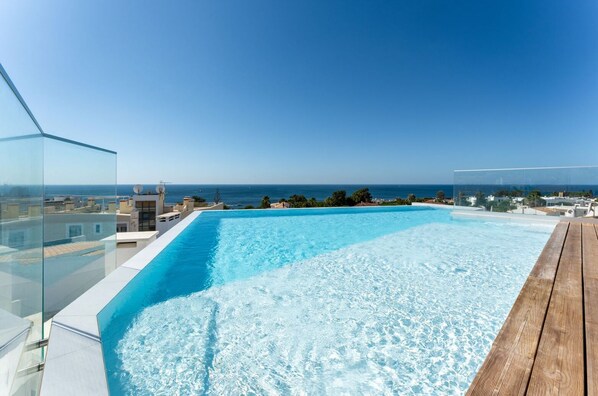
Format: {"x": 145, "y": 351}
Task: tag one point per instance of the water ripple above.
{"x": 414, "y": 312}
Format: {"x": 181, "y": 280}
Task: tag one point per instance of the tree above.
{"x": 461, "y": 199}
{"x": 503, "y": 206}
{"x": 198, "y": 199}
{"x": 480, "y": 199}
{"x": 516, "y": 193}
{"x": 312, "y": 203}
{"x": 362, "y": 195}
{"x": 249, "y": 207}
{"x": 217, "y": 196}
{"x": 534, "y": 199}
{"x": 440, "y": 196}
{"x": 297, "y": 201}
{"x": 265, "y": 202}
{"x": 397, "y": 201}
{"x": 411, "y": 197}
{"x": 338, "y": 198}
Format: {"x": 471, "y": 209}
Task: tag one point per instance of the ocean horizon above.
{"x": 241, "y": 195}
{"x": 238, "y": 196}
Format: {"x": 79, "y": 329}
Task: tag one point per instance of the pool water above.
{"x": 324, "y": 301}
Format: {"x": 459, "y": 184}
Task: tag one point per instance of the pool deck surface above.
{"x": 548, "y": 344}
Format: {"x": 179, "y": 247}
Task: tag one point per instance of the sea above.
{"x": 241, "y": 195}
{"x": 238, "y": 196}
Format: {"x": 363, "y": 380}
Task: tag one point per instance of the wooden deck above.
{"x": 548, "y": 344}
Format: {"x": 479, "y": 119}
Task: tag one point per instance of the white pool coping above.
{"x": 75, "y": 362}
{"x": 433, "y": 205}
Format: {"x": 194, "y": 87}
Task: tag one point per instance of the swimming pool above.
{"x": 318, "y": 301}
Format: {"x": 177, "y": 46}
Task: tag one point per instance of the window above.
{"x": 121, "y": 227}
{"x": 74, "y": 230}
{"x": 147, "y": 215}
{"x": 97, "y": 227}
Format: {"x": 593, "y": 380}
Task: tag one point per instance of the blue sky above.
{"x": 311, "y": 92}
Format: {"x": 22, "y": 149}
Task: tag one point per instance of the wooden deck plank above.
{"x": 559, "y": 365}
{"x": 590, "y": 280}
{"x": 508, "y": 365}
{"x": 548, "y": 261}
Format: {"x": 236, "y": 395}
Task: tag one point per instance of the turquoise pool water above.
{"x": 401, "y": 300}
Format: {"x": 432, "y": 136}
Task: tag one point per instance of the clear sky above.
{"x": 311, "y": 92}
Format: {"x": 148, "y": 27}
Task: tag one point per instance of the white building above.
{"x": 149, "y": 212}
{"x": 280, "y": 205}
{"x": 566, "y": 201}
{"x": 493, "y": 198}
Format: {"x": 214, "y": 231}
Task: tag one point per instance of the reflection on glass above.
{"x": 21, "y": 240}
{"x": 79, "y": 221}
{"x": 568, "y": 191}
{"x": 57, "y": 234}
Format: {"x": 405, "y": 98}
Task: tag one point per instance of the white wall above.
{"x": 162, "y": 227}
{"x": 125, "y": 249}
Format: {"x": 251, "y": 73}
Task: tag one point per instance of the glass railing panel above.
{"x": 557, "y": 191}
{"x": 57, "y": 233}
{"x": 21, "y": 259}
{"x": 15, "y": 119}
{"x": 79, "y": 220}
{"x": 21, "y": 240}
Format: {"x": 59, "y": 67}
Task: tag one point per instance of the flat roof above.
{"x": 169, "y": 214}
{"x": 135, "y": 236}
